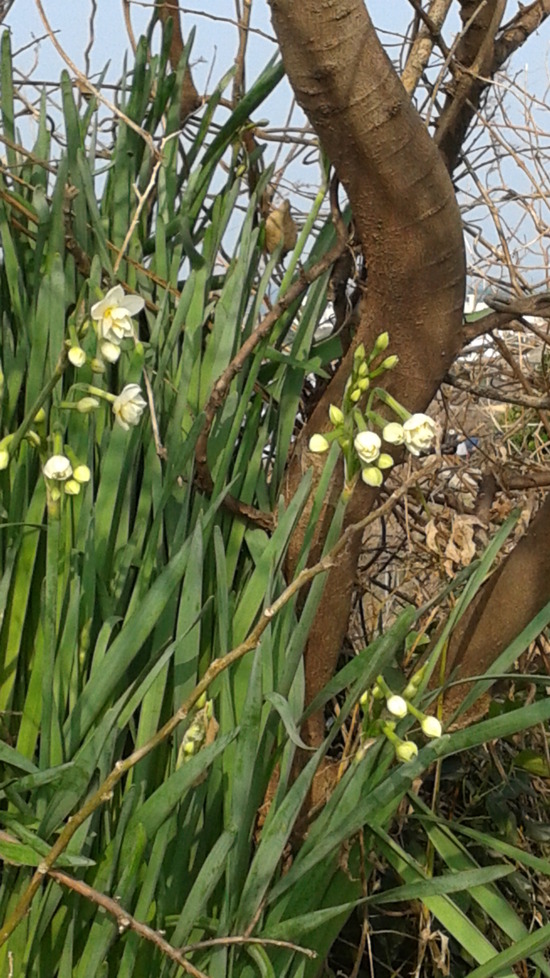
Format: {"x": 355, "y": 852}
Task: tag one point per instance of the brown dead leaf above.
{"x": 461, "y": 548}
{"x": 280, "y": 227}
{"x": 432, "y": 533}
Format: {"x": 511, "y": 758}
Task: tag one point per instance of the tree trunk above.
{"x": 510, "y": 599}
{"x": 408, "y": 222}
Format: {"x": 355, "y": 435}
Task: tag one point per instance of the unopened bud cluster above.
{"x": 195, "y": 735}
{"x": 374, "y": 701}
{"x": 353, "y": 426}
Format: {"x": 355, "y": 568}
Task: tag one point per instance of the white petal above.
{"x": 133, "y": 303}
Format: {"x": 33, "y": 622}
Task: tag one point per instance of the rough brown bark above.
{"x": 407, "y": 219}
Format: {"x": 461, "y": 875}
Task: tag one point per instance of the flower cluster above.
{"x": 398, "y": 706}
{"x": 112, "y": 316}
{"x": 59, "y": 474}
{"x": 354, "y": 429}
{"x": 63, "y": 473}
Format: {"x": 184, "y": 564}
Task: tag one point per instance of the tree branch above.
{"x": 189, "y": 98}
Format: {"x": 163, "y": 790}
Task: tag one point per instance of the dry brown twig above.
{"x": 125, "y": 921}
{"x": 244, "y": 27}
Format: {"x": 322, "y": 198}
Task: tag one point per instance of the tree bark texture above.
{"x": 510, "y": 599}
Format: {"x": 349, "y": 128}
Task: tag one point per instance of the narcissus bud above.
{"x": 406, "y": 751}
{"x": 335, "y": 415}
{"x": 397, "y": 706}
{"x": 431, "y": 727}
{"x": 318, "y": 444}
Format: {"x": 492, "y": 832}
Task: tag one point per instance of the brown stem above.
{"x": 482, "y": 52}
{"x": 125, "y": 921}
{"x": 244, "y": 27}
{"x": 512, "y": 597}
{"x": 423, "y": 44}
{"x": 190, "y": 99}
{"x": 407, "y": 220}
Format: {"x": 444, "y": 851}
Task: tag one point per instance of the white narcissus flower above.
{"x": 113, "y": 315}
{"x": 393, "y": 433}
{"x": 129, "y": 406}
{"x": 397, "y": 706}
{"x": 57, "y": 468}
{"x": 406, "y": 751}
{"x": 367, "y": 445}
{"x": 318, "y": 444}
{"x": 431, "y": 727}
{"x": 372, "y": 476}
{"x": 385, "y": 461}
{"x": 419, "y": 432}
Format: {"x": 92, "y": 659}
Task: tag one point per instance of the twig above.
{"x": 489, "y": 394}
{"x": 159, "y": 447}
{"x": 125, "y": 921}
{"x": 207, "y": 16}
{"x": 128, "y": 24}
{"x": 244, "y": 27}
{"x": 91, "y": 39}
{"x": 104, "y": 793}
{"x": 365, "y": 926}
{"x": 142, "y": 199}
{"x": 265, "y": 941}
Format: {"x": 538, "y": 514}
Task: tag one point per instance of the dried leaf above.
{"x": 280, "y": 227}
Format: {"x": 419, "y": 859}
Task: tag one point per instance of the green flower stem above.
{"x": 57, "y": 444}
{"x": 49, "y": 624}
{"x": 376, "y": 418}
{"x": 382, "y": 684}
{"x": 390, "y": 402}
{"x": 416, "y": 712}
{"x": 97, "y": 392}
{"x": 19, "y": 435}
{"x": 388, "y": 729}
